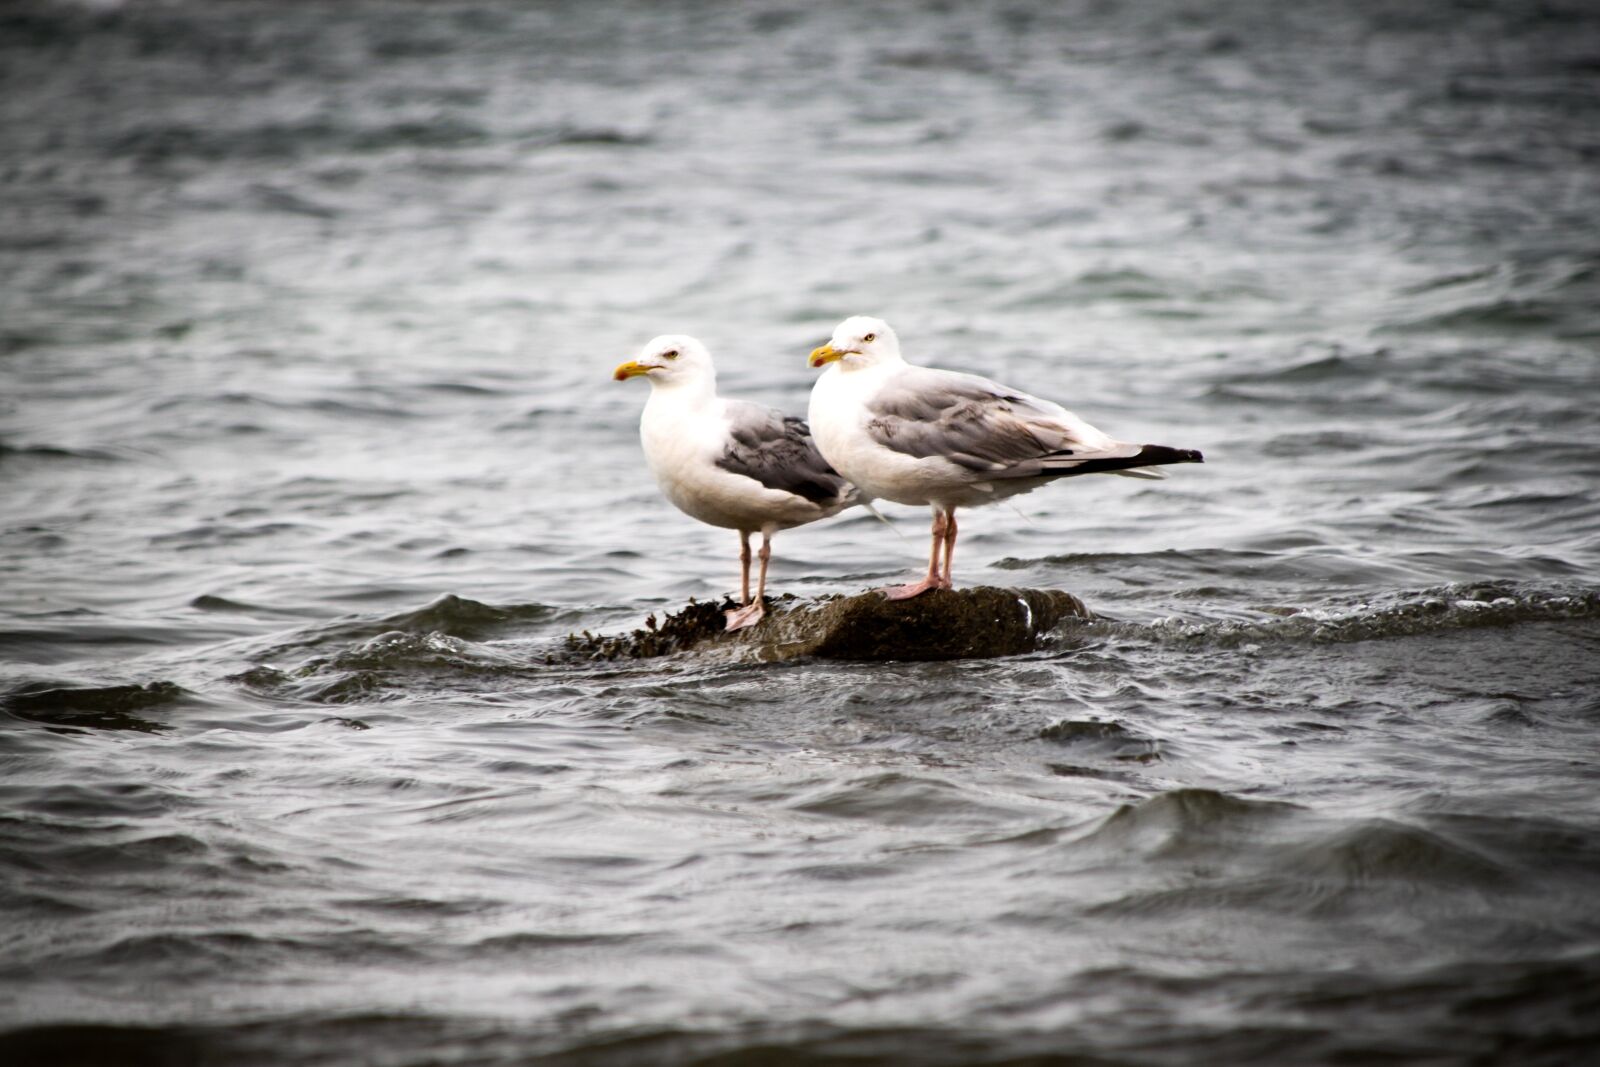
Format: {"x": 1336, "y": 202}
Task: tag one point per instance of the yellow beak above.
{"x": 825, "y": 354}
{"x": 631, "y": 369}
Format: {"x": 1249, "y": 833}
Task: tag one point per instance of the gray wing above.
{"x": 983, "y": 427}
{"x": 996, "y": 432}
{"x": 776, "y": 450}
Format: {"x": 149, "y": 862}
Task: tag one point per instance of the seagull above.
{"x": 917, "y": 435}
{"x": 730, "y": 463}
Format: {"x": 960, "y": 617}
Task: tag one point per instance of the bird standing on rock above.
{"x": 730, "y": 463}
{"x": 917, "y": 435}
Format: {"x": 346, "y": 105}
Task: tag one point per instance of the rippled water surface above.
{"x": 310, "y": 459}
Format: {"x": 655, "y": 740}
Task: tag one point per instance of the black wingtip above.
{"x": 1154, "y": 454}
{"x": 1148, "y": 456}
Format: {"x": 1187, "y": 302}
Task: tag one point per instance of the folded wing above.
{"x": 776, "y": 450}
{"x": 995, "y": 432}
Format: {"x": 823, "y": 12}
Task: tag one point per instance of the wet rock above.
{"x": 942, "y": 625}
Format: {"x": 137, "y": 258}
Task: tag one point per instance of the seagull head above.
{"x": 859, "y": 341}
{"x": 671, "y": 359}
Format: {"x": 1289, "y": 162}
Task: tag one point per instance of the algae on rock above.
{"x": 940, "y": 625}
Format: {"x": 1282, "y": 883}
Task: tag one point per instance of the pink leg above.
{"x": 753, "y": 610}
{"x": 744, "y": 567}
{"x": 933, "y": 580}
{"x": 945, "y": 580}
{"x": 766, "y": 556}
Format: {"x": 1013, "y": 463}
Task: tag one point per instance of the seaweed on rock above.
{"x": 944, "y": 624}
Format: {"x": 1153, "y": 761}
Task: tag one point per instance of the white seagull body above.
{"x": 730, "y": 463}
{"x": 917, "y": 435}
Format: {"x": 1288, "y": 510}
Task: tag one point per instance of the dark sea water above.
{"x": 310, "y": 458}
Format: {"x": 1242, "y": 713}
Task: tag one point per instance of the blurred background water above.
{"x": 310, "y": 457}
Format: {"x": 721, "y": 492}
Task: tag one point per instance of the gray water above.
{"x": 310, "y": 460}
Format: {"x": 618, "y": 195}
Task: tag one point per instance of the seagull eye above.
{"x": 869, "y": 338}
{"x": 670, "y": 355}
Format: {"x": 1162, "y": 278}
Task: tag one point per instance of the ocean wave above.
{"x": 897, "y": 799}
{"x": 1183, "y": 822}
{"x": 1441, "y": 609}
{"x": 74, "y": 709}
{"x": 1254, "y": 857}
{"x": 1507, "y": 314}
{"x": 161, "y": 142}
{"x": 103, "y": 861}
{"x": 448, "y": 616}
{"x": 399, "y": 650}
{"x": 1381, "y": 850}
{"x": 1108, "y": 740}
{"x": 98, "y": 800}
{"x": 213, "y": 954}
{"x": 46, "y": 453}
{"x": 384, "y": 667}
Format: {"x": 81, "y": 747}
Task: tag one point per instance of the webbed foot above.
{"x": 749, "y": 615}
{"x": 906, "y": 592}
